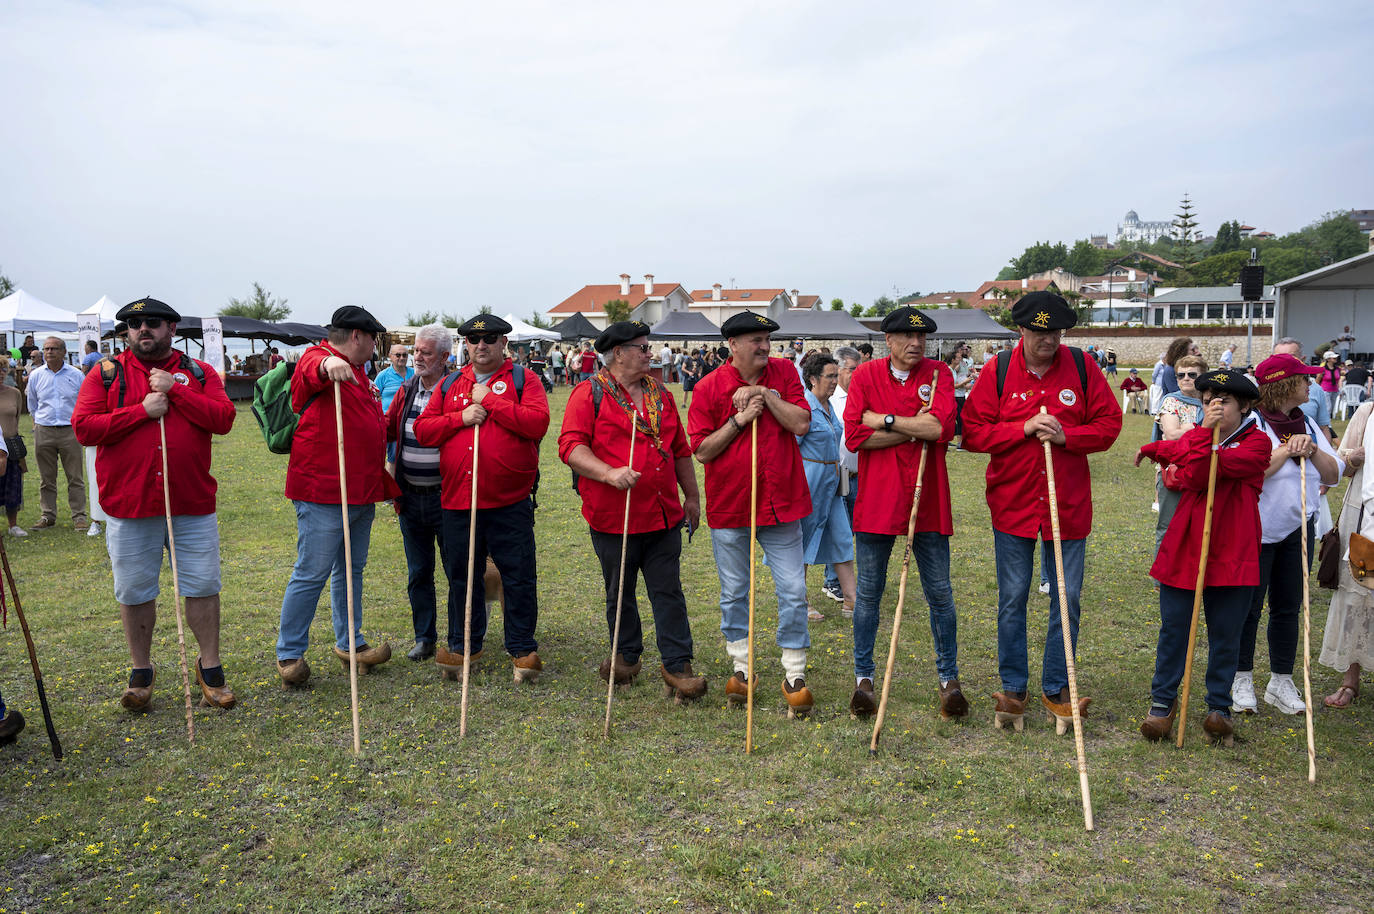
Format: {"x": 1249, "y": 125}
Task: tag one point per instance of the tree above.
{"x": 421, "y": 319}
{"x": 1006, "y": 273}
{"x": 617, "y": 309}
{"x": 837, "y": 304}
{"x": 453, "y": 321}
{"x": 537, "y": 320}
{"x": 6, "y": 287}
{"x": 1185, "y": 229}
{"x": 259, "y": 306}
{"x": 881, "y": 305}
{"x": 1218, "y": 269}
{"x": 1084, "y": 259}
{"x": 1038, "y": 258}
{"x": 1334, "y": 236}
{"x": 856, "y": 310}
{"x": 1228, "y": 239}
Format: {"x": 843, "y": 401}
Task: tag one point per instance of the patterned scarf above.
{"x": 650, "y": 428}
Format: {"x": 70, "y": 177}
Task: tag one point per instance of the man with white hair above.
{"x": 416, "y": 470}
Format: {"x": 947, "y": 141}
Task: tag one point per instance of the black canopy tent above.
{"x": 821, "y": 325}
{"x": 967, "y": 324}
{"x": 575, "y": 328}
{"x": 246, "y": 328}
{"x": 684, "y": 325}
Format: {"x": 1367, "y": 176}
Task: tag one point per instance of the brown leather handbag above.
{"x": 1362, "y": 556}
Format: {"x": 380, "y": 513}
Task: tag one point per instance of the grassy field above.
{"x": 270, "y": 810}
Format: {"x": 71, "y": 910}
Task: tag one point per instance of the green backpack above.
{"x": 272, "y": 407}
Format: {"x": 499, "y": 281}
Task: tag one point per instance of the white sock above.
{"x": 858, "y": 680}
{"x": 793, "y": 664}
{"x": 739, "y": 653}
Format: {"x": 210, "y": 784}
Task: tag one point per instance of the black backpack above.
{"x": 112, "y": 370}
{"x": 518, "y": 381}
{"x": 1004, "y": 364}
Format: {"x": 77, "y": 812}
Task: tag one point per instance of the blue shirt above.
{"x": 52, "y": 394}
{"x": 89, "y": 359}
{"x": 1315, "y": 408}
{"x": 388, "y": 382}
{"x": 820, "y": 449}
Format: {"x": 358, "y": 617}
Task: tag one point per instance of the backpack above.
{"x": 1004, "y": 364}
{"x": 272, "y": 407}
{"x": 518, "y": 381}
{"x": 597, "y": 394}
{"x": 112, "y": 370}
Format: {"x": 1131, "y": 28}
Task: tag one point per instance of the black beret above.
{"x": 148, "y": 307}
{"x": 619, "y": 333}
{"x": 1043, "y": 311}
{"x": 1228, "y": 381}
{"x": 484, "y": 323}
{"x": 907, "y": 320}
{"x": 351, "y": 317}
{"x": 747, "y": 322}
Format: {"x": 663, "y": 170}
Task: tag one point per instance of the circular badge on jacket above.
{"x": 499, "y": 387}
{"x": 924, "y": 391}
{"x": 1068, "y": 397}
{"x": 181, "y": 378}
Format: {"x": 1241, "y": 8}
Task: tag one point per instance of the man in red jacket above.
{"x": 1002, "y": 417}
{"x": 620, "y": 401}
{"x": 753, "y": 388}
{"x": 312, "y": 484}
{"x": 510, "y": 406}
{"x": 896, "y": 407}
{"x": 118, "y": 410}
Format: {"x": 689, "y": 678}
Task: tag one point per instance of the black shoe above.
{"x": 10, "y": 725}
{"x": 423, "y": 650}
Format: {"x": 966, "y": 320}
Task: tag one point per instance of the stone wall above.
{"x": 1142, "y": 346}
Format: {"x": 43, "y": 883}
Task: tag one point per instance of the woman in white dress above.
{"x": 1348, "y": 643}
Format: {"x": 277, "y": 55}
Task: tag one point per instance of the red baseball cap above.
{"x": 1283, "y": 365}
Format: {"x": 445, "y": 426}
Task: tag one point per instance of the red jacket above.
{"x": 313, "y": 473}
{"x": 1018, "y": 489}
{"x": 783, "y": 493}
{"x": 128, "y": 456}
{"x": 1133, "y": 384}
{"x": 1233, "y": 553}
{"x": 508, "y": 445}
{"x": 654, "y": 501}
{"x": 887, "y": 476}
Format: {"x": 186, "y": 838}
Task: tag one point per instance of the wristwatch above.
{"x": 888, "y": 420}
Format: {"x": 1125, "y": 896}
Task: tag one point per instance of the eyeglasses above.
{"x": 1190, "y": 374}
{"x": 152, "y": 323}
{"x": 642, "y": 347}
{"x": 488, "y": 338}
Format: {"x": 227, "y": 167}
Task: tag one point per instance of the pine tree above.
{"x": 1185, "y": 229}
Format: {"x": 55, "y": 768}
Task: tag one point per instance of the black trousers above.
{"x": 507, "y": 535}
{"x": 656, "y": 556}
{"x": 1281, "y": 575}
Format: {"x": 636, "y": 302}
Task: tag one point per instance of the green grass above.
{"x": 270, "y": 811}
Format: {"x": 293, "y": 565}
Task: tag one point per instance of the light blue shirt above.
{"x": 1315, "y": 408}
{"x": 389, "y": 381}
{"x": 52, "y": 394}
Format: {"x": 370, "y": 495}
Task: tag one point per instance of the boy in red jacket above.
{"x": 1233, "y": 552}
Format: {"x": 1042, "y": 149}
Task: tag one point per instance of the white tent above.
{"x": 521, "y": 332}
{"x": 22, "y": 313}
{"x": 106, "y": 308}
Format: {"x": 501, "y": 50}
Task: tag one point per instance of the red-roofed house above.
{"x": 805, "y": 302}
{"x": 649, "y": 302}
{"x": 720, "y": 304}
{"x": 944, "y": 300}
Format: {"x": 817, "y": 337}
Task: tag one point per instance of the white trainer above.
{"x": 1283, "y": 694}
{"x": 17, "y": 530}
{"x": 1243, "y": 693}
{"x": 1045, "y": 587}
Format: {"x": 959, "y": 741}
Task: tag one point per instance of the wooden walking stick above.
{"x": 1070, "y": 665}
{"x": 33, "y": 654}
{"x": 467, "y": 604}
{"x": 176, "y": 583}
{"x": 348, "y": 570}
{"x": 753, "y": 535}
{"x": 901, "y": 584}
{"x": 620, "y": 594}
{"x": 1307, "y": 634}
{"x": 1198, "y": 587}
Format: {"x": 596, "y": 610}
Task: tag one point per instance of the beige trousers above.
{"x": 49, "y": 444}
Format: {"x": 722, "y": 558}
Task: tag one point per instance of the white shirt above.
{"x": 665, "y": 356}
{"x": 1280, "y": 503}
{"x": 52, "y": 394}
{"x": 1227, "y": 357}
{"x": 848, "y": 459}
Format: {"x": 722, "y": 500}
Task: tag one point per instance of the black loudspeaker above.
{"x": 1252, "y": 282}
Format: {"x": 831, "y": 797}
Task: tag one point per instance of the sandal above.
{"x": 813, "y": 615}
{"x": 1343, "y": 697}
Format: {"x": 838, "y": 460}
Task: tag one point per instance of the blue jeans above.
{"x": 832, "y": 580}
{"x": 931, "y": 552}
{"x": 320, "y": 558}
{"x": 421, "y": 520}
{"x": 507, "y": 535}
{"x": 1015, "y": 558}
{"x": 1225, "y": 608}
{"x": 1281, "y": 574}
{"x": 782, "y": 544}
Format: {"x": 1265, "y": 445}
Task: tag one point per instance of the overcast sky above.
{"x": 412, "y": 156}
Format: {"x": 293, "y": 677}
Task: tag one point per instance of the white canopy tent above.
{"x": 106, "y": 308}
{"x": 521, "y": 332}
{"x": 22, "y": 313}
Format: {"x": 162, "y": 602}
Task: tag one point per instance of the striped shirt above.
{"x": 420, "y": 464}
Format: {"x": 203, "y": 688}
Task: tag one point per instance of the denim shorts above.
{"x": 136, "y": 546}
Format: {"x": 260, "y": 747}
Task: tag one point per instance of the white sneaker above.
{"x": 1283, "y": 694}
{"x": 833, "y": 594}
{"x": 95, "y": 529}
{"x": 1243, "y": 694}
{"x": 1154, "y": 506}
{"x": 17, "y": 530}
{"x": 1045, "y": 587}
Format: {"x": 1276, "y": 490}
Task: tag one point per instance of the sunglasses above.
{"x": 642, "y": 347}
{"x": 1190, "y": 374}
{"x": 152, "y": 323}
{"x": 488, "y": 338}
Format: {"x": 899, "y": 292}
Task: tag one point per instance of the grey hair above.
{"x": 437, "y": 334}
{"x": 1289, "y": 341}
{"x": 847, "y": 352}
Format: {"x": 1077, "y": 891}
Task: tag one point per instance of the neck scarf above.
{"x": 651, "y": 427}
